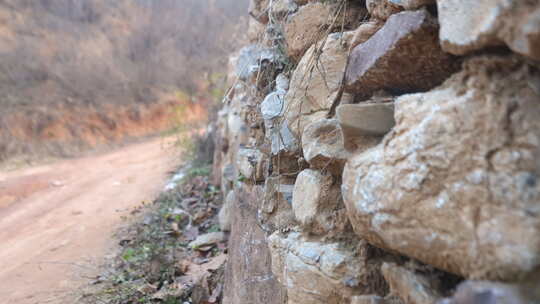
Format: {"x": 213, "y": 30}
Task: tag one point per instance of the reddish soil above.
{"x": 58, "y": 218}
{"x": 69, "y": 130}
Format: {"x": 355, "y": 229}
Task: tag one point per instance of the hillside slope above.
{"x": 105, "y": 61}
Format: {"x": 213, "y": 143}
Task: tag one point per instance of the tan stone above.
{"x": 311, "y": 22}
{"x": 382, "y": 9}
{"x": 364, "y": 32}
{"x": 363, "y": 125}
{"x": 258, "y": 10}
{"x": 375, "y": 119}
{"x": 322, "y": 143}
{"x": 456, "y": 184}
{"x": 472, "y": 25}
{"x": 317, "y": 204}
{"x": 305, "y": 28}
{"x": 255, "y": 31}
{"x": 312, "y": 87}
{"x": 411, "y": 287}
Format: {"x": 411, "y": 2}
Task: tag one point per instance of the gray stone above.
{"x": 253, "y": 60}
{"x": 283, "y": 140}
{"x": 455, "y": 184}
{"x": 272, "y": 106}
{"x": 483, "y": 292}
{"x": 367, "y": 299}
{"x": 211, "y": 238}
{"x": 282, "y": 84}
{"x": 403, "y": 56}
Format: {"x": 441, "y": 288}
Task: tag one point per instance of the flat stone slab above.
{"x": 362, "y": 119}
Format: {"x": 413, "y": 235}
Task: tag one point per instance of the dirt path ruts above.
{"x": 55, "y": 218}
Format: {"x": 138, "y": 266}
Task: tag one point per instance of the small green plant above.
{"x": 148, "y": 261}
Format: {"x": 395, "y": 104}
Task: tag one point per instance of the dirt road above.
{"x": 56, "y": 218}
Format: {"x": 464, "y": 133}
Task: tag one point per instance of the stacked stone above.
{"x": 399, "y": 157}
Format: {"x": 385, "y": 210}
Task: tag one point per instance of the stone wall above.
{"x": 383, "y": 151}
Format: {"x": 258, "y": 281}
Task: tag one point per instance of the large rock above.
{"x": 318, "y": 273}
{"x": 248, "y": 276}
{"x": 315, "y": 83}
{"x": 322, "y": 143}
{"x": 472, "y": 25}
{"x": 318, "y": 205}
{"x": 456, "y": 184}
{"x": 403, "y": 56}
{"x": 311, "y": 22}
